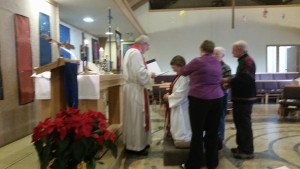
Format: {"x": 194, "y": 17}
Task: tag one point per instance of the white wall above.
{"x": 172, "y": 34}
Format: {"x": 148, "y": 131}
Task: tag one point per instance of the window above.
{"x": 283, "y": 58}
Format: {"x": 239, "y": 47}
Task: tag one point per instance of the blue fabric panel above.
{"x": 64, "y": 37}
{"x": 45, "y": 46}
{"x": 71, "y": 84}
{"x": 95, "y": 50}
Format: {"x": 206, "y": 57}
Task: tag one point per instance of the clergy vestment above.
{"x": 179, "y": 105}
{"x": 136, "y": 129}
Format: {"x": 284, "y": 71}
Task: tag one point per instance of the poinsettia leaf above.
{"x": 79, "y": 149}
{"x": 39, "y": 147}
{"x": 92, "y": 148}
{"x": 91, "y": 164}
{"x": 45, "y": 156}
{"x": 97, "y": 131}
{"x": 62, "y": 146}
{"x": 112, "y": 147}
{"x": 59, "y": 163}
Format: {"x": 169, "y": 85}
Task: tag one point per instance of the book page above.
{"x": 153, "y": 66}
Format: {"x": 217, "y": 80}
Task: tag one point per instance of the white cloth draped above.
{"x": 88, "y": 86}
{"x": 178, "y": 102}
{"x": 137, "y": 77}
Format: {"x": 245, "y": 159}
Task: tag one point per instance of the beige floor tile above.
{"x": 276, "y": 144}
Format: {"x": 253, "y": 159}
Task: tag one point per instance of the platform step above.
{"x": 173, "y": 155}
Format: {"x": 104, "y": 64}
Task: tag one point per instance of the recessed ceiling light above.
{"x": 109, "y": 33}
{"x": 88, "y": 19}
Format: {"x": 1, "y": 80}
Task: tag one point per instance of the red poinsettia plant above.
{"x": 72, "y": 138}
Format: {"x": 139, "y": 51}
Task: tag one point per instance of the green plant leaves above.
{"x": 72, "y": 138}
{"x": 45, "y": 159}
{"x": 79, "y": 149}
{"x": 112, "y": 147}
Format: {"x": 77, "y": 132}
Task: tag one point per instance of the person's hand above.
{"x": 226, "y": 85}
{"x": 225, "y": 80}
{"x": 166, "y": 97}
{"x": 153, "y": 75}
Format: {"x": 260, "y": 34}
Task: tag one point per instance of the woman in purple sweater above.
{"x": 205, "y": 106}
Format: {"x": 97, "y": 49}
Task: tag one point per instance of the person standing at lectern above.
{"x": 136, "y": 120}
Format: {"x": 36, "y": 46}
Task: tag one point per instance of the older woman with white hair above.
{"x": 136, "y": 121}
{"x": 219, "y": 54}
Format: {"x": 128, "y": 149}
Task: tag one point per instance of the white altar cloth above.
{"x": 88, "y": 86}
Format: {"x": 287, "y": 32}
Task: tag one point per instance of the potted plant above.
{"x": 71, "y": 139}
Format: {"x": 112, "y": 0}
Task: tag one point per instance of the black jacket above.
{"x": 243, "y": 88}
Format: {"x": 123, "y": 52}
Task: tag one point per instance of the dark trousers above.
{"x": 204, "y": 116}
{"x": 242, "y": 120}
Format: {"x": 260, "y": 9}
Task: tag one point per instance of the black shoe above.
{"x": 243, "y": 156}
{"x": 138, "y": 153}
{"x": 147, "y": 147}
{"x": 142, "y": 153}
{"x": 235, "y": 150}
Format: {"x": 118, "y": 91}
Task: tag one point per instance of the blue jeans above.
{"x": 221, "y": 132}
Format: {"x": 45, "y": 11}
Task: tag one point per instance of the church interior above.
{"x": 46, "y": 45}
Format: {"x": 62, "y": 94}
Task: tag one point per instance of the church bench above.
{"x": 270, "y": 88}
{"x": 290, "y": 100}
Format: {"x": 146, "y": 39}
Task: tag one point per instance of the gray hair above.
{"x": 241, "y": 45}
{"x": 142, "y": 39}
{"x": 220, "y": 49}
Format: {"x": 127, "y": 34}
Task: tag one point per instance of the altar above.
{"x": 56, "y": 88}
{"x": 109, "y": 101}
{"x": 101, "y": 93}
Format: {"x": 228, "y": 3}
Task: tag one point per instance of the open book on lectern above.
{"x": 153, "y": 66}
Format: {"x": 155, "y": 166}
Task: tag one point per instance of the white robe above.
{"x": 178, "y": 102}
{"x": 137, "y": 77}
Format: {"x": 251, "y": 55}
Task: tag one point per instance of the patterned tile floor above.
{"x": 276, "y": 141}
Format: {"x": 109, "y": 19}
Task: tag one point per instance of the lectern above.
{"x": 58, "y": 97}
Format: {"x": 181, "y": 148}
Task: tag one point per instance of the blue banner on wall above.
{"x": 64, "y": 37}
{"x": 45, "y": 46}
{"x": 95, "y": 50}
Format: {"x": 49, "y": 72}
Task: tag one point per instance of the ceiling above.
{"x": 171, "y": 4}
{"x": 73, "y": 11}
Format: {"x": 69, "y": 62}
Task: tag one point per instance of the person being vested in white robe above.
{"x": 136, "y": 120}
{"x": 179, "y": 106}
